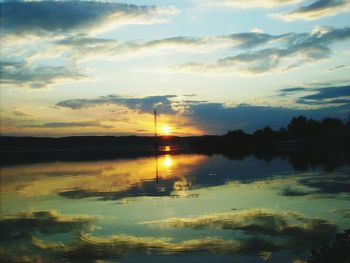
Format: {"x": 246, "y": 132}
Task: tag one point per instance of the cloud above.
{"x": 214, "y": 117}
{"x": 298, "y": 227}
{"x": 60, "y": 17}
{"x": 21, "y": 74}
{"x": 263, "y": 53}
{"x": 144, "y": 104}
{"x": 329, "y": 93}
{"x": 83, "y": 47}
{"x": 316, "y": 10}
{"x": 243, "y": 40}
{"x": 321, "y": 96}
{"x": 81, "y": 124}
{"x": 46, "y": 22}
{"x": 297, "y": 48}
{"x": 337, "y": 68}
{"x": 20, "y": 113}
{"x": 246, "y": 4}
{"x": 291, "y": 90}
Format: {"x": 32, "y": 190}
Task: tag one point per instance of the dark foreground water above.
{"x": 179, "y": 208}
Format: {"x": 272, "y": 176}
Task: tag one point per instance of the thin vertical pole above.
{"x": 156, "y": 143}
{"x": 155, "y": 124}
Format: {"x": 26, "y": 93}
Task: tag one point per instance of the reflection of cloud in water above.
{"x": 343, "y": 212}
{"x": 26, "y": 238}
{"x": 310, "y": 185}
{"x": 23, "y": 225}
{"x": 107, "y": 179}
{"x": 20, "y": 234}
{"x": 118, "y": 245}
{"x": 324, "y": 185}
{"x": 31, "y": 241}
{"x": 299, "y": 228}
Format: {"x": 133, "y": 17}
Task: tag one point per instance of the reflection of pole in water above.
{"x": 156, "y": 143}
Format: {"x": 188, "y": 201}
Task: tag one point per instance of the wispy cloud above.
{"x": 144, "y": 104}
{"x": 81, "y": 124}
{"x": 246, "y": 4}
{"x": 265, "y": 53}
{"x": 320, "y": 96}
{"x": 20, "y": 113}
{"x": 298, "y": 48}
{"x": 261, "y": 53}
{"x": 21, "y": 74}
{"x": 339, "y": 67}
{"x": 82, "y": 47}
{"x": 315, "y": 10}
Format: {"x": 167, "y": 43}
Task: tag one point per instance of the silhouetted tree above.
{"x": 298, "y": 127}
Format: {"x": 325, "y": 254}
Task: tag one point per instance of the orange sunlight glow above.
{"x": 166, "y": 130}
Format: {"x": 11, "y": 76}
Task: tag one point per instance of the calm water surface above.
{"x": 177, "y": 208}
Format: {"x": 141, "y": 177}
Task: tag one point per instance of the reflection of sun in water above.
{"x": 167, "y": 161}
{"x": 166, "y": 130}
{"x": 167, "y": 148}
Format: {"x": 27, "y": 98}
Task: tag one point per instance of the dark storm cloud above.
{"x": 21, "y": 74}
{"x": 145, "y": 104}
{"x": 43, "y": 17}
{"x": 82, "y": 124}
{"x": 309, "y": 47}
{"x": 317, "y": 9}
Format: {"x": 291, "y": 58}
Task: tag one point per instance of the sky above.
{"x": 207, "y": 66}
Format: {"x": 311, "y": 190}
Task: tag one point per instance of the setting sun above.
{"x": 166, "y": 130}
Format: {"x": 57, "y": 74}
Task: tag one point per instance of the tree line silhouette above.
{"x": 304, "y": 142}
{"x": 300, "y": 130}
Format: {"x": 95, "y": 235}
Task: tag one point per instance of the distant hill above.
{"x": 8, "y": 143}
{"x": 16, "y": 150}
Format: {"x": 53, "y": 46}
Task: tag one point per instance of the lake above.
{"x": 172, "y": 207}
